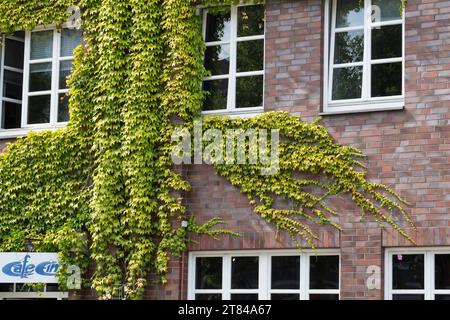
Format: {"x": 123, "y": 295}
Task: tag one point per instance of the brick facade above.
{"x": 407, "y": 150}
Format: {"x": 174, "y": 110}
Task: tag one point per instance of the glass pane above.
{"x": 286, "y": 272}
{"x": 349, "y": 47}
{"x": 249, "y": 92}
{"x": 12, "y": 113}
{"x": 347, "y": 83}
{"x": 387, "y": 42}
{"x": 216, "y": 97}
{"x": 39, "y": 109}
{"x": 250, "y": 56}
{"x": 386, "y": 79}
{"x": 442, "y": 271}
{"x": 63, "y": 107}
{"x": 284, "y": 296}
{"x": 349, "y": 13}
{"x": 385, "y": 10}
{"x": 250, "y": 20}
{"x": 243, "y": 296}
{"x": 41, "y": 45}
{"x": 217, "y": 59}
{"x": 12, "y": 85}
{"x": 208, "y": 273}
{"x": 442, "y": 297}
{"x": 408, "y": 297}
{"x": 218, "y": 26}
{"x": 407, "y": 271}
{"x": 70, "y": 38}
{"x": 40, "y": 77}
{"x": 14, "y": 53}
{"x": 324, "y": 272}
{"x": 210, "y": 296}
{"x": 323, "y": 297}
{"x": 244, "y": 272}
{"x": 6, "y": 287}
{"x": 64, "y": 72}
{"x": 19, "y": 34}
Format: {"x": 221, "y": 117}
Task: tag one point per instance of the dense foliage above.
{"x": 103, "y": 191}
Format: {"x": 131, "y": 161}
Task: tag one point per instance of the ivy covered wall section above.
{"x": 103, "y": 192}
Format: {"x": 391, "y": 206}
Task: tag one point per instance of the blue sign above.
{"x": 28, "y": 267}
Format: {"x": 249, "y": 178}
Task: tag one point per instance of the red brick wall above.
{"x": 408, "y": 149}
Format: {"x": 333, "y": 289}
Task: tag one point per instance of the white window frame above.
{"x": 56, "y": 60}
{"x": 54, "y": 91}
{"x": 366, "y": 103}
{"x": 233, "y": 74}
{"x": 264, "y": 291}
{"x": 18, "y": 295}
{"x": 429, "y": 290}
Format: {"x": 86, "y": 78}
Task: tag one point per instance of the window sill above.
{"x": 362, "y": 108}
{"x": 244, "y": 113}
{"x": 22, "y": 132}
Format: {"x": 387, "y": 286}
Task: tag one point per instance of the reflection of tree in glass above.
{"x": 216, "y": 94}
{"x": 217, "y": 24}
{"x": 349, "y": 13}
{"x": 387, "y": 42}
{"x": 250, "y": 56}
{"x": 249, "y": 92}
{"x": 347, "y": 83}
{"x": 349, "y": 47}
{"x": 250, "y": 20}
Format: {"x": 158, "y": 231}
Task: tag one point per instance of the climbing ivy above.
{"x": 103, "y": 191}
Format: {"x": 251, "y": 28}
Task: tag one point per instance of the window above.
{"x": 364, "y": 61}
{"x": 234, "y": 58}
{"x": 15, "y": 291}
{"x": 34, "y": 69}
{"x": 418, "y": 274}
{"x": 276, "y": 275}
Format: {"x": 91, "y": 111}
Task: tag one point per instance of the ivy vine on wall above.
{"x": 102, "y": 191}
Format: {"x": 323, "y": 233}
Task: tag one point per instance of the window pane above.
{"x": 64, "y": 72}
{"x": 408, "y": 297}
{"x": 14, "y": 53}
{"x": 40, "y": 77}
{"x": 386, "y": 79}
{"x": 12, "y": 113}
{"x": 442, "y": 297}
{"x": 349, "y": 13}
{"x": 388, "y": 10}
{"x": 407, "y": 271}
{"x": 244, "y": 296}
{"x": 286, "y": 272}
{"x": 6, "y": 287}
{"x": 218, "y": 26}
{"x": 250, "y": 56}
{"x": 51, "y": 287}
{"x": 347, "y": 83}
{"x": 39, "y": 109}
{"x": 250, "y": 20}
{"x": 208, "y": 273}
{"x": 442, "y": 271}
{"x": 217, "y": 59}
{"x": 284, "y": 296}
{"x": 41, "y": 45}
{"x": 387, "y": 42}
{"x": 324, "y": 272}
{"x": 323, "y": 297}
{"x": 12, "y": 85}
{"x": 216, "y": 97}
{"x": 249, "y": 92}
{"x": 244, "y": 272}
{"x": 349, "y": 47}
{"x": 63, "y": 107}
{"x": 69, "y": 40}
{"x": 213, "y": 296}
